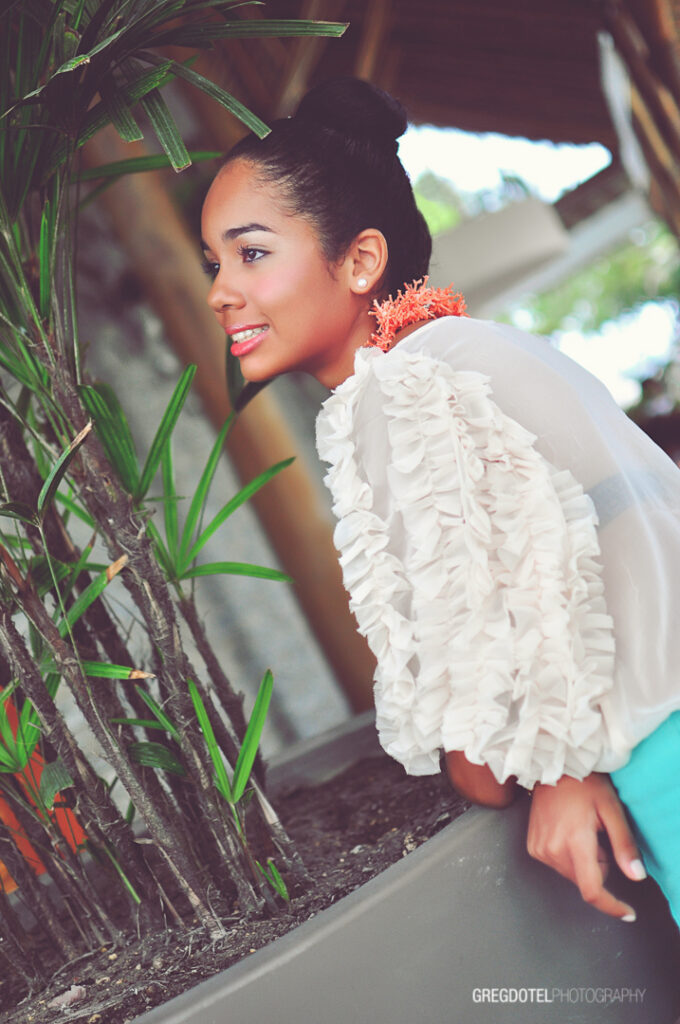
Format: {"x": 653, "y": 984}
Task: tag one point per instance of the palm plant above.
{"x": 68, "y": 68}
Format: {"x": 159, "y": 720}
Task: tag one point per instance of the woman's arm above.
{"x": 477, "y": 782}
{"x": 563, "y": 833}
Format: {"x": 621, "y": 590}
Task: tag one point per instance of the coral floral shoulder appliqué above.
{"x": 418, "y": 302}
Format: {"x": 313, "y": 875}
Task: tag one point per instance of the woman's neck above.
{"x": 333, "y": 376}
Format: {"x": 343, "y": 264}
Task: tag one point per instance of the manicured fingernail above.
{"x": 629, "y": 917}
{"x": 637, "y": 870}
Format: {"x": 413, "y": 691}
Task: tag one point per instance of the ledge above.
{"x": 467, "y": 911}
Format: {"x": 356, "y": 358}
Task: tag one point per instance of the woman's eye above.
{"x": 211, "y": 269}
{"x": 250, "y": 255}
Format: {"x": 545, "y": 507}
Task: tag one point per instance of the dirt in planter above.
{"x": 347, "y": 830}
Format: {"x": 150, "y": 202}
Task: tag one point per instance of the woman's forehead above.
{"x": 240, "y": 182}
{"x": 241, "y": 198}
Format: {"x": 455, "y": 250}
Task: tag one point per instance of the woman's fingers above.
{"x": 589, "y": 860}
{"x": 624, "y": 847}
{"x": 564, "y": 826}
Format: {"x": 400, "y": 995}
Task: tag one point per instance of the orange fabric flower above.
{"x": 418, "y": 301}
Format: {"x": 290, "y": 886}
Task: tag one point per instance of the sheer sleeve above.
{"x": 473, "y": 570}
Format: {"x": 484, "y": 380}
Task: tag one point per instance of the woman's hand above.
{"x": 563, "y": 832}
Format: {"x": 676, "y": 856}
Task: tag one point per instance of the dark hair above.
{"x": 336, "y": 162}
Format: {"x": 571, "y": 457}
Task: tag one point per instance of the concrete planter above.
{"x": 465, "y": 930}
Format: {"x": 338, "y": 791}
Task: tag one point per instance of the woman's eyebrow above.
{"x": 232, "y": 233}
{"x": 235, "y": 232}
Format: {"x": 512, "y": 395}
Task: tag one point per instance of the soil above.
{"x": 347, "y": 830}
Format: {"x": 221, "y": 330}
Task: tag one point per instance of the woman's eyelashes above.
{"x": 210, "y": 268}
{"x": 249, "y": 254}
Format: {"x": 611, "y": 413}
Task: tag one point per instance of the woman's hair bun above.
{"x": 354, "y": 108}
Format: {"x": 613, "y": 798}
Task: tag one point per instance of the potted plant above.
{"x": 69, "y": 470}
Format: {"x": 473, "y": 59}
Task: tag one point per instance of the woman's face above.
{"x": 273, "y": 291}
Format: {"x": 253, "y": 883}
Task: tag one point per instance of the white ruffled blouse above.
{"x": 511, "y": 544}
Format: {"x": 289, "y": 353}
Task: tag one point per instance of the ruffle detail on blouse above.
{"x": 477, "y": 582}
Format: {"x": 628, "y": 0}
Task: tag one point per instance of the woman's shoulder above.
{"x": 516, "y": 362}
{"x": 465, "y": 341}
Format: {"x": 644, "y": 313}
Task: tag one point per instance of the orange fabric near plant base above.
{"x": 63, "y": 817}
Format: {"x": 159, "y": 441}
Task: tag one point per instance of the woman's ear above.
{"x": 366, "y": 261}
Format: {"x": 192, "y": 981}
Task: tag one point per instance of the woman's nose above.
{"x": 223, "y": 295}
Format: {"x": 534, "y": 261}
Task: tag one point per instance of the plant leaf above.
{"x": 29, "y": 723}
{"x": 90, "y": 594}
{"x": 54, "y": 778}
{"x": 160, "y": 714}
{"x": 252, "y": 736}
{"x": 170, "y": 499}
{"x": 44, "y": 247}
{"x": 165, "y": 429}
{"x": 202, "y": 33}
{"x": 228, "y": 101}
{"x": 236, "y": 569}
{"x": 135, "y": 165}
{"x": 271, "y": 873}
{"x": 18, "y": 510}
{"x": 114, "y": 860}
{"x": 243, "y": 495}
{"x": 75, "y": 509}
{"x": 9, "y": 762}
{"x": 42, "y": 577}
{"x": 59, "y": 469}
{"x": 136, "y": 87}
{"x": 155, "y": 755}
{"x": 106, "y": 670}
{"x": 113, "y": 431}
{"x": 71, "y": 65}
{"x": 10, "y": 753}
{"x": 166, "y": 130}
{"x": 199, "y": 499}
{"x": 222, "y": 779}
{"x": 120, "y": 114}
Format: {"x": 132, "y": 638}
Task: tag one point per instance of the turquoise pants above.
{"x": 649, "y": 786}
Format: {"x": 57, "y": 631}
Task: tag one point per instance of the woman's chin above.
{"x": 252, "y": 376}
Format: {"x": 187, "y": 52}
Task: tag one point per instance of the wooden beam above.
{"x": 647, "y": 126}
{"x": 248, "y": 70}
{"x": 633, "y": 48}
{"x": 659, "y": 27}
{"x": 304, "y": 57}
{"x": 387, "y": 73}
{"x": 276, "y": 49}
{"x": 660, "y": 160}
{"x": 372, "y": 36}
{"x": 165, "y": 258}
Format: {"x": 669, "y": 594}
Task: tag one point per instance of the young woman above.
{"x": 509, "y": 539}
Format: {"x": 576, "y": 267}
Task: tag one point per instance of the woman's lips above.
{"x": 251, "y": 339}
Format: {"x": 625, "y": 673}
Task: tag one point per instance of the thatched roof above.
{"x": 529, "y": 68}
{"x": 525, "y": 68}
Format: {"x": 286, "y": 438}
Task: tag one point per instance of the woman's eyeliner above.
{"x": 246, "y": 251}
{"x": 248, "y": 254}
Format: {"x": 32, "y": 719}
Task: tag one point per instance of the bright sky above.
{"x": 475, "y": 162}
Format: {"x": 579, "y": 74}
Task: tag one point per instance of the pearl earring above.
{"x": 362, "y": 282}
